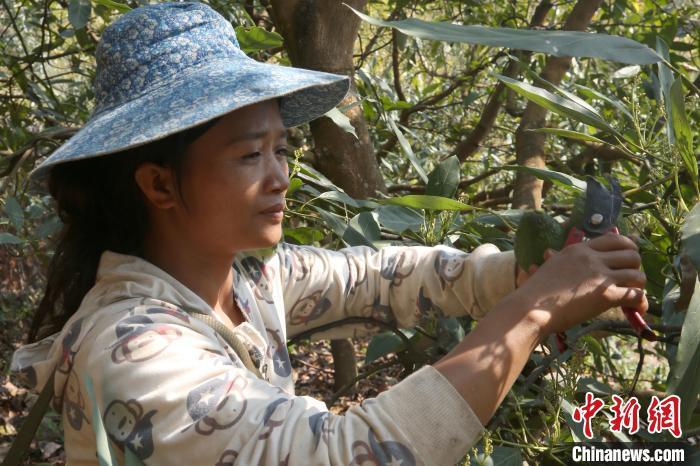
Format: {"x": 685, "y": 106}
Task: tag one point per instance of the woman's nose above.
{"x": 278, "y": 174}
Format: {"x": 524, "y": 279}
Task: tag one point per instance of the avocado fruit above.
{"x": 536, "y": 233}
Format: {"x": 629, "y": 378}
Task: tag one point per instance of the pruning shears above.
{"x": 600, "y": 216}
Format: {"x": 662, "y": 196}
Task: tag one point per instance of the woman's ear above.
{"x": 158, "y": 185}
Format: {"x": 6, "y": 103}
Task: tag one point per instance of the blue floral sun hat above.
{"x": 167, "y": 67}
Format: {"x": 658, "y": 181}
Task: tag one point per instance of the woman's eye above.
{"x": 283, "y": 152}
{"x": 252, "y": 156}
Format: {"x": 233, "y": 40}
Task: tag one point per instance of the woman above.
{"x": 180, "y": 172}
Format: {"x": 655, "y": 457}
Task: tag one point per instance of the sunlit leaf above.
{"x": 557, "y": 43}
{"x": 561, "y": 179}
{"x": 422, "y": 201}
{"x": 253, "y": 39}
{"x": 120, "y": 7}
{"x": 566, "y": 133}
{"x": 341, "y": 120}
{"x": 557, "y": 104}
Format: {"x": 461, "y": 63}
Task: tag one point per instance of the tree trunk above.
{"x": 321, "y": 36}
{"x": 472, "y": 142}
{"x": 529, "y": 146}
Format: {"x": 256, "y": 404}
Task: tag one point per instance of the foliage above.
{"x": 424, "y": 87}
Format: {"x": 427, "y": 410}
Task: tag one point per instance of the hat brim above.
{"x": 197, "y": 96}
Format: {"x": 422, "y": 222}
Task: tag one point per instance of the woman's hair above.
{"x": 102, "y": 208}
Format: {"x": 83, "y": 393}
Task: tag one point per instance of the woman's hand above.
{"x": 581, "y": 281}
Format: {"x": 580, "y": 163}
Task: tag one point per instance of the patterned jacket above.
{"x": 170, "y": 389}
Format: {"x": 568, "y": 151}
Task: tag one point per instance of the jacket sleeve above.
{"x": 170, "y": 391}
{"x": 398, "y": 284}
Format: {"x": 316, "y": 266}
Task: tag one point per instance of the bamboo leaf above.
{"x": 681, "y": 129}
{"x": 565, "y": 133}
{"x": 557, "y": 43}
{"x": 683, "y": 379}
{"x": 592, "y": 93}
{"x": 403, "y": 142}
{"x": 423, "y": 201}
{"x": 561, "y": 179}
{"x": 558, "y": 104}
{"x": 665, "y": 81}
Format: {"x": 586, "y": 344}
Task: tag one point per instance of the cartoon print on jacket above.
{"x": 377, "y": 453}
{"x": 128, "y": 426}
{"x": 277, "y": 352}
{"x": 275, "y": 414}
{"x": 70, "y": 347}
{"x": 171, "y": 311}
{"x": 140, "y": 339}
{"x": 357, "y": 273}
{"x": 228, "y": 457}
{"x": 261, "y": 276}
{"x": 426, "y": 309}
{"x": 320, "y": 424}
{"x": 377, "y": 311}
{"x": 74, "y": 402}
{"x": 217, "y": 404}
{"x": 299, "y": 265}
{"x": 396, "y": 267}
{"x": 449, "y": 266}
{"x": 309, "y": 308}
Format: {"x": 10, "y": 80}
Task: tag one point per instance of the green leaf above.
{"x": 294, "y": 184}
{"x": 105, "y": 455}
{"x": 592, "y": 93}
{"x": 399, "y": 219}
{"x": 449, "y": 332}
{"x": 557, "y": 104}
{"x": 348, "y": 234}
{"x": 14, "y": 212}
{"x": 557, "y": 43}
{"x": 690, "y": 236}
{"x": 79, "y": 13}
{"x": 253, "y": 39}
{"x": 444, "y": 179}
{"x": 681, "y": 129}
{"x": 561, "y": 179}
{"x": 407, "y": 150}
{"x": 9, "y": 238}
{"x": 566, "y": 133}
{"x": 423, "y": 201}
{"x": 665, "y": 81}
{"x": 567, "y": 412}
{"x": 367, "y": 225}
{"x": 120, "y": 7}
{"x": 501, "y": 456}
{"x": 385, "y": 343}
{"x": 303, "y": 235}
{"x": 626, "y": 72}
{"x": 341, "y": 120}
{"x": 683, "y": 378}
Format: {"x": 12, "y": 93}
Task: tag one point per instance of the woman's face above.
{"x": 234, "y": 180}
